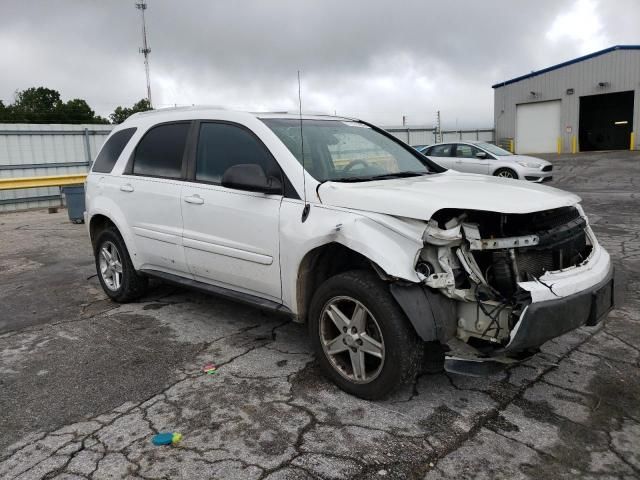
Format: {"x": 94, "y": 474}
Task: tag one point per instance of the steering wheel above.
{"x": 353, "y": 163}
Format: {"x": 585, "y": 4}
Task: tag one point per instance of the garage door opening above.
{"x": 606, "y": 121}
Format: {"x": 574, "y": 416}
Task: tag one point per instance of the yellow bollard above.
{"x": 559, "y": 145}
{"x": 633, "y": 141}
{"x": 574, "y": 144}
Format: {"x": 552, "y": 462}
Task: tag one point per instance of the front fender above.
{"x": 392, "y": 244}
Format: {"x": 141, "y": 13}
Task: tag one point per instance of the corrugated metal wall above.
{"x": 619, "y": 68}
{"x": 28, "y": 150}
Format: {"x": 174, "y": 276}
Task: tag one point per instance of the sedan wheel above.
{"x": 506, "y": 173}
{"x": 352, "y": 340}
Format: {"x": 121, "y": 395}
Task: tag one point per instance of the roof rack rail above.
{"x": 178, "y": 108}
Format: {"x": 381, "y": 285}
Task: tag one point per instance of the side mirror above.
{"x": 250, "y": 177}
{"x": 481, "y": 154}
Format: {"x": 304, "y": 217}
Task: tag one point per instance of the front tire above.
{"x": 362, "y": 339}
{"x": 116, "y": 273}
{"x": 506, "y": 173}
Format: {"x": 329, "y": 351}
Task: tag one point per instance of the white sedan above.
{"x": 488, "y": 159}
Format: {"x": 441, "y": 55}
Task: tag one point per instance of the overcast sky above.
{"x": 377, "y": 60}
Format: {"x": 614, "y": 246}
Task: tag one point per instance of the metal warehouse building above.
{"x": 589, "y": 103}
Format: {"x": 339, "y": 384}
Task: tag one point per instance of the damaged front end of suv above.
{"x": 503, "y": 284}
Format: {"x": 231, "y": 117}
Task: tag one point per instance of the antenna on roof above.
{"x": 307, "y": 207}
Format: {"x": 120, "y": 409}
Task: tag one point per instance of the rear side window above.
{"x": 111, "y": 150}
{"x": 441, "y": 151}
{"x": 221, "y": 145}
{"x": 160, "y": 152}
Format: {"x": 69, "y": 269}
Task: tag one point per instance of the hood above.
{"x": 421, "y": 197}
{"x": 527, "y": 158}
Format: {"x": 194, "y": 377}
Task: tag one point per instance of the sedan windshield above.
{"x": 346, "y": 151}
{"x": 491, "y": 148}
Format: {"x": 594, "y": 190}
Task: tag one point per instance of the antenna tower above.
{"x": 145, "y": 50}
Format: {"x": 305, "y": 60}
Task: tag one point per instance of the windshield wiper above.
{"x": 383, "y": 176}
{"x": 399, "y": 175}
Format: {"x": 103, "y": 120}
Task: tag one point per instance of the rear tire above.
{"x": 506, "y": 173}
{"x": 362, "y": 339}
{"x": 116, "y": 273}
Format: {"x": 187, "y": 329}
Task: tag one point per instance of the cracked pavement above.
{"x": 85, "y": 383}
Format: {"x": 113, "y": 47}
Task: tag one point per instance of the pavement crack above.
{"x": 631, "y": 346}
{"x": 493, "y": 413}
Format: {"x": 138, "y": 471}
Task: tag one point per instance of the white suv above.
{"x": 392, "y": 260}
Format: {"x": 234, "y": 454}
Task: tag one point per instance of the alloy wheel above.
{"x": 351, "y": 339}
{"x": 110, "y": 266}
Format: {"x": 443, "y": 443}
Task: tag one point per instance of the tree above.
{"x": 37, "y": 105}
{"x": 4, "y": 115}
{"x": 120, "y": 114}
{"x": 78, "y": 111}
{"x": 44, "y": 105}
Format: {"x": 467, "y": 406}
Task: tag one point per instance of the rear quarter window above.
{"x": 111, "y": 150}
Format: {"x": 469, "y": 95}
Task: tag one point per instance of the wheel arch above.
{"x": 99, "y": 219}
{"x": 322, "y": 263}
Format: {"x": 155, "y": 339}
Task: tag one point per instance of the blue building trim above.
{"x": 564, "y": 64}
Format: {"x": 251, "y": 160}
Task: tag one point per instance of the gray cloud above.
{"x": 373, "y": 59}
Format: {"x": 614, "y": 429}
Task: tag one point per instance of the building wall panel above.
{"x": 619, "y": 68}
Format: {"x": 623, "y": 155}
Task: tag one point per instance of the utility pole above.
{"x": 438, "y": 127}
{"x": 145, "y": 50}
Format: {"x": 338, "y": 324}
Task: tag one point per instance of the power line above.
{"x": 145, "y": 50}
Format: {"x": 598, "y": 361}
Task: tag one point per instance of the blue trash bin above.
{"x": 75, "y": 202}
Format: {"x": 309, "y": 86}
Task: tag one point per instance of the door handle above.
{"x": 126, "y": 188}
{"x": 195, "y": 199}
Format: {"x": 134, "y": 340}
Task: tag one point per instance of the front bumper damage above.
{"x": 461, "y": 303}
{"x": 542, "y": 321}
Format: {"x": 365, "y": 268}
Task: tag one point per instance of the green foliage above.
{"x": 120, "y": 114}
{"x": 44, "y": 105}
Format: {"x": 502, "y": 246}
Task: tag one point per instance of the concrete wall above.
{"x": 620, "y": 68}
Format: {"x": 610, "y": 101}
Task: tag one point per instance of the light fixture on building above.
{"x": 621, "y": 122}
{"x": 603, "y": 84}
{"x": 533, "y": 94}
{"x": 570, "y": 91}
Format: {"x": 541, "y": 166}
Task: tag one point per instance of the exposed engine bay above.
{"x": 479, "y": 258}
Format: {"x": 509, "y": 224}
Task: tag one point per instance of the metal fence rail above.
{"x": 59, "y": 154}
{"x": 429, "y": 135}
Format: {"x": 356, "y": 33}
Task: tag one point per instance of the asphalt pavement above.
{"x": 85, "y": 383}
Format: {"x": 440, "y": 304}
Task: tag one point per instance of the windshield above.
{"x": 491, "y": 148}
{"x": 345, "y": 151}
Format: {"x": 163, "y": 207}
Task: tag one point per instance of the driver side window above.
{"x": 466, "y": 151}
{"x": 222, "y": 145}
